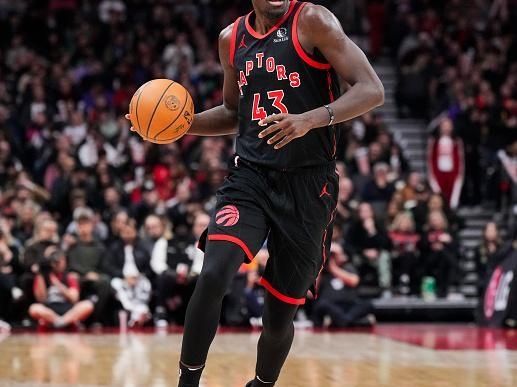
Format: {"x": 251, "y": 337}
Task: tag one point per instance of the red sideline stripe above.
{"x": 256, "y": 35}
{"x": 280, "y": 296}
{"x": 298, "y": 47}
{"x": 233, "y": 40}
{"x": 232, "y": 239}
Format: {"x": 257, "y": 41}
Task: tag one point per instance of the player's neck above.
{"x": 264, "y": 23}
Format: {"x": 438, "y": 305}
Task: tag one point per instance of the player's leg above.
{"x": 236, "y": 233}
{"x": 222, "y": 261}
{"x": 301, "y": 229}
{"x": 275, "y": 341}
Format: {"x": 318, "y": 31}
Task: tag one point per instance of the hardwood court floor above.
{"x": 385, "y": 357}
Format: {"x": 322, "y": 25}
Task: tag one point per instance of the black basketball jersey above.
{"x": 276, "y": 75}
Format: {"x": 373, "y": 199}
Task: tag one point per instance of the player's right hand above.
{"x": 128, "y": 117}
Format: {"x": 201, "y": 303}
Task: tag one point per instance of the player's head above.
{"x": 271, "y": 9}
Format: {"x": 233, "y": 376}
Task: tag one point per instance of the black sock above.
{"x": 258, "y": 383}
{"x": 190, "y": 376}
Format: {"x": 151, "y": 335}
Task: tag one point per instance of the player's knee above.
{"x": 277, "y": 328}
{"x": 213, "y": 283}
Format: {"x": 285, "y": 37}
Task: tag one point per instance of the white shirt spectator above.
{"x": 159, "y": 256}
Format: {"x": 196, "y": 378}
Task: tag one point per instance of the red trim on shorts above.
{"x": 324, "y": 250}
{"x": 329, "y": 83}
{"x": 280, "y": 296}
{"x": 233, "y": 40}
{"x": 232, "y": 239}
{"x": 256, "y": 35}
{"x": 298, "y": 47}
{"x": 331, "y": 97}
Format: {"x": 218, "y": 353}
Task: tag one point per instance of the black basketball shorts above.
{"x": 294, "y": 210}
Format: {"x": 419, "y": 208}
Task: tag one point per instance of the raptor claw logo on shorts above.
{"x": 227, "y": 216}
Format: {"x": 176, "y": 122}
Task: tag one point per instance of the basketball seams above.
{"x": 141, "y": 88}
{"x": 178, "y": 116}
{"x": 175, "y": 138}
{"x": 156, "y": 108}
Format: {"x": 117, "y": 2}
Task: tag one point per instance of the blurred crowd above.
{"x": 458, "y": 59}
{"x": 97, "y": 226}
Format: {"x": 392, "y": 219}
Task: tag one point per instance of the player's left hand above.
{"x": 286, "y": 127}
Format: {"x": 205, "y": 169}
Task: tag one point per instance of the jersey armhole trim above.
{"x": 233, "y": 41}
{"x": 298, "y": 47}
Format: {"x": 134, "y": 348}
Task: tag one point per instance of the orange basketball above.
{"x": 161, "y": 111}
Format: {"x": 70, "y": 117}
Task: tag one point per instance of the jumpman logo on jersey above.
{"x": 324, "y": 191}
{"x": 242, "y": 44}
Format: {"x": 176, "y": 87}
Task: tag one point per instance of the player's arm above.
{"x": 222, "y": 119}
{"x": 319, "y": 28}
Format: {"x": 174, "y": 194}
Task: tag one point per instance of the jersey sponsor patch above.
{"x": 281, "y": 35}
{"x": 227, "y": 216}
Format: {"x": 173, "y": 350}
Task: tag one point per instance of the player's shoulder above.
{"x": 316, "y": 17}
{"x": 315, "y": 13}
{"x": 226, "y": 33}
{"x": 225, "y": 42}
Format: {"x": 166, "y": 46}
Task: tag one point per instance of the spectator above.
{"x": 395, "y": 206}
{"x": 508, "y": 186}
{"x": 133, "y": 291}
{"x": 57, "y": 294}
{"x": 155, "y": 241}
{"x": 45, "y": 235}
{"x": 439, "y": 252}
{"x": 414, "y": 183}
{"x": 338, "y": 297}
{"x": 86, "y": 258}
{"x": 148, "y": 204}
{"x": 24, "y": 228}
{"x": 486, "y": 251}
{"x": 346, "y": 204}
{"x": 379, "y": 190}
{"x": 435, "y": 202}
{"x": 405, "y": 253}
{"x": 175, "y": 279}
{"x": 127, "y": 254}
{"x": 254, "y": 292}
{"x": 180, "y": 210}
{"x": 119, "y": 219}
{"x": 447, "y": 164}
{"x": 369, "y": 240}
{"x": 201, "y": 221}
{"x": 244, "y": 301}
{"x": 10, "y": 269}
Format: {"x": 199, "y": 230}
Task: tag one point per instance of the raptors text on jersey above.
{"x": 276, "y": 75}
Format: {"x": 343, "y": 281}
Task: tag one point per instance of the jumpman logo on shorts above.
{"x": 324, "y": 191}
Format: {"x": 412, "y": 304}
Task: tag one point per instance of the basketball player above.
{"x": 281, "y": 97}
